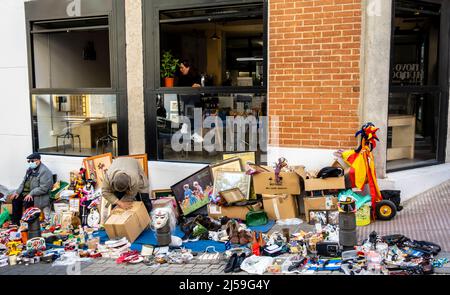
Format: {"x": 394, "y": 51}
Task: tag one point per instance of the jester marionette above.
{"x": 362, "y": 163}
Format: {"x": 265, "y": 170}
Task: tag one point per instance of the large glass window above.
{"x": 71, "y": 53}
{"x": 218, "y": 103}
{"x": 221, "y": 46}
{"x": 75, "y": 124}
{"x": 202, "y": 127}
{"x": 415, "y": 93}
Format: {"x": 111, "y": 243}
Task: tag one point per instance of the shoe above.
{"x": 231, "y": 263}
{"x": 244, "y": 239}
{"x": 261, "y": 240}
{"x": 234, "y": 237}
{"x": 237, "y": 267}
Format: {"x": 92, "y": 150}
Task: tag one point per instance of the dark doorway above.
{"x": 418, "y": 85}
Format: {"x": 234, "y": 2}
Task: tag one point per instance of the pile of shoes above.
{"x": 238, "y": 233}
{"x": 198, "y": 228}
{"x": 234, "y": 263}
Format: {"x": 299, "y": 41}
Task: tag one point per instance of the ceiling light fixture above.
{"x": 215, "y": 36}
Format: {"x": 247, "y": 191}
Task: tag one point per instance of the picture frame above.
{"x": 232, "y": 196}
{"x": 97, "y": 166}
{"x": 244, "y": 157}
{"x": 226, "y": 180}
{"x": 104, "y": 209}
{"x": 174, "y": 106}
{"x": 142, "y": 159}
{"x": 194, "y": 191}
{"x": 161, "y": 193}
{"x": 233, "y": 164}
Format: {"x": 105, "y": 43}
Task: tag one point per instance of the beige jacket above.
{"x": 139, "y": 181}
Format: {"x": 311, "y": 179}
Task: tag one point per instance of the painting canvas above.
{"x": 226, "y": 180}
{"x": 97, "y": 166}
{"x": 193, "y": 192}
{"x": 244, "y": 157}
{"x": 233, "y": 164}
{"x": 142, "y": 159}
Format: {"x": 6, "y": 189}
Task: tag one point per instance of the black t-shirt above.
{"x": 188, "y": 80}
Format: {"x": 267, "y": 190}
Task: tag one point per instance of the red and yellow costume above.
{"x": 362, "y": 163}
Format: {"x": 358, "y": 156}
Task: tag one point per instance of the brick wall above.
{"x": 314, "y": 66}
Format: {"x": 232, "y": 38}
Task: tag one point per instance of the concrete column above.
{"x": 375, "y": 64}
{"x": 135, "y": 76}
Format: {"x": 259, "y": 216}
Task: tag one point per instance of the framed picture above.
{"x": 104, "y": 210}
{"x": 244, "y": 157}
{"x": 318, "y": 216}
{"x": 232, "y": 196}
{"x": 161, "y": 193}
{"x": 142, "y": 159}
{"x": 174, "y": 106}
{"x": 233, "y": 164}
{"x": 97, "y": 166}
{"x": 226, "y": 180}
{"x": 193, "y": 192}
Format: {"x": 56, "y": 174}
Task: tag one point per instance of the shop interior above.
{"x": 75, "y": 124}
{"x": 414, "y": 101}
{"x": 71, "y": 53}
{"x": 224, "y": 46}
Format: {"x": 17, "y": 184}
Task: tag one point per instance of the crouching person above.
{"x": 125, "y": 182}
{"x": 34, "y": 191}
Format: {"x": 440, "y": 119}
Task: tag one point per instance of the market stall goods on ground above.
{"x": 227, "y": 214}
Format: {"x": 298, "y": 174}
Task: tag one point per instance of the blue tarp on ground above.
{"x": 148, "y": 238}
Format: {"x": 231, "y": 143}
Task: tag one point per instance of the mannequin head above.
{"x": 163, "y": 216}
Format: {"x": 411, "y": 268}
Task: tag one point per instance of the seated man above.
{"x": 34, "y": 191}
{"x": 124, "y": 182}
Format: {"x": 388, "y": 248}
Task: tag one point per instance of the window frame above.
{"x": 151, "y": 32}
{"x": 114, "y": 10}
{"x": 442, "y": 85}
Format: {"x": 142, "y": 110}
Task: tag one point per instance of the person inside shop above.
{"x": 34, "y": 191}
{"x": 125, "y": 182}
{"x": 188, "y": 76}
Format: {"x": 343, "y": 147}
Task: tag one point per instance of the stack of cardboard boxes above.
{"x": 323, "y": 202}
{"x": 280, "y": 199}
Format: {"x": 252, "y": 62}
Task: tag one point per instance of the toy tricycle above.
{"x": 385, "y": 209}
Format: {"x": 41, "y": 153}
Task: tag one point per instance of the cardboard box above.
{"x": 127, "y": 223}
{"x": 319, "y": 184}
{"x": 280, "y": 206}
{"x": 236, "y": 212}
{"x": 264, "y": 183}
{"x": 326, "y": 203}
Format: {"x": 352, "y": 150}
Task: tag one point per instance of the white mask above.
{"x": 160, "y": 218}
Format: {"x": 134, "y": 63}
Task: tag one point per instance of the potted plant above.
{"x": 169, "y": 65}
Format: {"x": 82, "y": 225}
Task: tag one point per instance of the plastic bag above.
{"x": 291, "y": 221}
{"x": 256, "y": 264}
{"x": 69, "y": 258}
{"x": 4, "y": 216}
